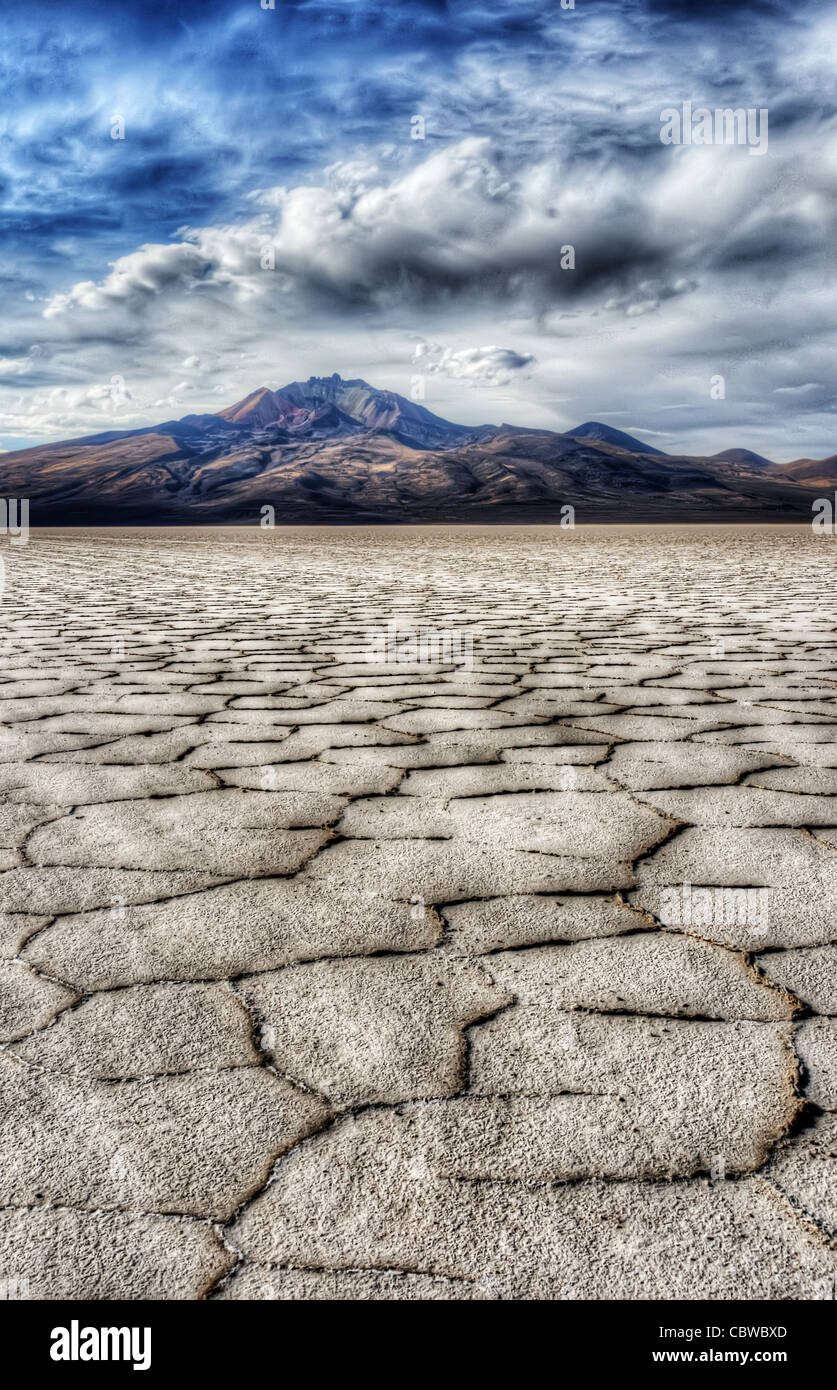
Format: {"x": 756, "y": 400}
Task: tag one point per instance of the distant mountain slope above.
{"x": 745, "y": 457}
{"x": 605, "y": 434}
{"x": 328, "y": 450}
{"x": 813, "y": 472}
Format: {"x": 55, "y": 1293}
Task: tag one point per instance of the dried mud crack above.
{"x": 333, "y": 968}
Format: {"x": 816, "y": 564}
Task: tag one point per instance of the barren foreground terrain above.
{"x": 491, "y": 957}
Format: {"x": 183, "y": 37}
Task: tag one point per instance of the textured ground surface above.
{"x": 329, "y": 977}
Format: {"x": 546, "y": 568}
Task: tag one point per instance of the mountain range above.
{"x": 331, "y": 451}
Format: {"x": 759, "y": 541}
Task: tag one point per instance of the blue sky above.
{"x": 268, "y": 214}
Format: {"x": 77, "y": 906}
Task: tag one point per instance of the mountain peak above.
{"x": 371, "y": 408}
{"x": 345, "y": 407}
{"x": 606, "y": 434}
{"x": 261, "y": 407}
{"x": 745, "y": 457}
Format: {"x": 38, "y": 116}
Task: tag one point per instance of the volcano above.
{"x": 329, "y": 450}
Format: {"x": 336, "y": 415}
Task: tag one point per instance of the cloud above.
{"x": 493, "y": 366}
{"x": 135, "y": 279}
{"x": 359, "y": 237}
{"x": 91, "y": 408}
{"x": 468, "y": 223}
{"x": 14, "y": 366}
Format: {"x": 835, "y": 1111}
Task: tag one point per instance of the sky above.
{"x": 270, "y": 214}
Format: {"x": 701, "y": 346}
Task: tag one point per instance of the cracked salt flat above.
{"x": 325, "y": 977}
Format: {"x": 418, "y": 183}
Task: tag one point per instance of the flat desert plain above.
{"x": 419, "y": 913}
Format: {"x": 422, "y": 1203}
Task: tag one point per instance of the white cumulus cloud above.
{"x": 492, "y": 366}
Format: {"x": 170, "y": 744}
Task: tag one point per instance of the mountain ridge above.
{"x": 329, "y": 450}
